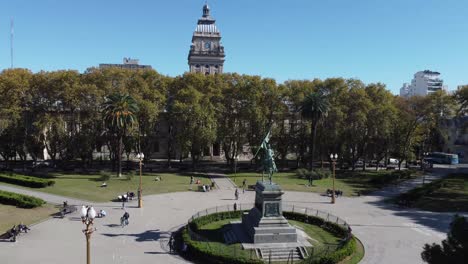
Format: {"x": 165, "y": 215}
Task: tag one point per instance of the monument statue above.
{"x": 269, "y": 165}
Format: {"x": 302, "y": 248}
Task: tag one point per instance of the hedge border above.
{"x": 27, "y": 181}
{"x": 199, "y": 254}
{"x": 20, "y": 200}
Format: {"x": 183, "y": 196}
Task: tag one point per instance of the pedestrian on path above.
{"x": 171, "y": 243}
{"x": 236, "y": 194}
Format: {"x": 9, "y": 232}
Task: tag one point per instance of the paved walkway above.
{"x": 389, "y": 234}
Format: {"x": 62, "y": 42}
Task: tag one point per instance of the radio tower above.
{"x": 11, "y": 42}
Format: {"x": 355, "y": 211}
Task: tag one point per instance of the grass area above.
{"x": 445, "y": 195}
{"x": 213, "y": 231}
{"x": 87, "y": 187}
{"x": 12, "y": 215}
{"x": 319, "y": 236}
{"x": 357, "y": 256}
{"x": 348, "y": 182}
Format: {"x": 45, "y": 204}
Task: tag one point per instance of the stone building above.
{"x": 206, "y": 53}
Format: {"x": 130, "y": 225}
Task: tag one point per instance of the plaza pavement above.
{"x": 389, "y": 234}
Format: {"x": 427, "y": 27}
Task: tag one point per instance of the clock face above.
{"x": 208, "y": 45}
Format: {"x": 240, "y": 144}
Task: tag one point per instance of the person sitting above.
{"x": 104, "y": 184}
{"x": 132, "y": 195}
{"x": 65, "y": 203}
{"x": 198, "y": 182}
{"x": 204, "y": 188}
{"x": 23, "y": 228}
{"x": 102, "y": 213}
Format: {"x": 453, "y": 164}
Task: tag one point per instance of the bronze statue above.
{"x": 269, "y": 165}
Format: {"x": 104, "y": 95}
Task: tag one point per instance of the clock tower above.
{"x": 206, "y": 52}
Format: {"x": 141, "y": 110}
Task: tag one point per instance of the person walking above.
{"x": 171, "y": 243}
{"x": 192, "y": 180}
{"x": 236, "y": 194}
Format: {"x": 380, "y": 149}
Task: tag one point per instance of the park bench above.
{"x": 67, "y": 210}
{"x": 251, "y": 187}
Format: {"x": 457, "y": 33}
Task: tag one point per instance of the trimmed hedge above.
{"x": 20, "y": 200}
{"x": 27, "y": 181}
{"x": 347, "y": 250}
{"x": 201, "y": 251}
{"x": 394, "y": 176}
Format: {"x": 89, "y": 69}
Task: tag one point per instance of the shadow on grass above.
{"x": 149, "y": 235}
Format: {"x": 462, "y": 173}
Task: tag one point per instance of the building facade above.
{"x": 128, "y": 63}
{"x": 206, "y": 53}
{"x": 423, "y": 83}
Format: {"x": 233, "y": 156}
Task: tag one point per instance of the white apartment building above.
{"x": 423, "y": 83}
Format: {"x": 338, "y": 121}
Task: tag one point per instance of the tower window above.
{"x": 207, "y": 66}
{"x": 198, "y": 65}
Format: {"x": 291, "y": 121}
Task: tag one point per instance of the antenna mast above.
{"x": 11, "y": 42}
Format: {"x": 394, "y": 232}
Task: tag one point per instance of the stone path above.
{"x": 389, "y": 234}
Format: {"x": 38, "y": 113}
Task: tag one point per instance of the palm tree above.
{"x": 119, "y": 112}
{"x": 314, "y": 108}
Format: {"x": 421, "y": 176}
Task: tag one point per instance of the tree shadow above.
{"x": 147, "y": 236}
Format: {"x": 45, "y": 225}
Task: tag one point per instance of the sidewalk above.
{"x": 222, "y": 181}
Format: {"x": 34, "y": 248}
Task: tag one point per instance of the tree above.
{"x": 314, "y": 108}
{"x": 195, "y": 101}
{"x": 462, "y": 98}
{"x": 454, "y": 249}
{"x": 119, "y": 112}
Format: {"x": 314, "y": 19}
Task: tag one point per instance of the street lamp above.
{"x": 87, "y": 216}
{"x": 333, "y": 158}
{"x": 140, "y": 156}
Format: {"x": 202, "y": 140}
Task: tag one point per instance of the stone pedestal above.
{"x": 265, "y": 222}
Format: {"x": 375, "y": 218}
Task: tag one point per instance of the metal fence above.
{"x": 287, "y": 207}
{"x": 237, "y": 252}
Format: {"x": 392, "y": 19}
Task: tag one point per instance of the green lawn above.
{"x": 446, "y": 195}
{"x": 87, "y": 187}
{"x": 348, "y": 182}
{"x": 12, "y": 215}
{"x": 318, "y": 235}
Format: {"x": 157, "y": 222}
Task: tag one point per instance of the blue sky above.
{"x": 373, "y": 40}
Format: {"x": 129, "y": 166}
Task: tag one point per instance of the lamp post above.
{"x": 424, "y": 163}
{"x": 87, "y": 216}
{"x": 140, "y": 156}
{"x": 333, "y": 158}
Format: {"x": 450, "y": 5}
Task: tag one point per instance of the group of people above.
{"x": 337, "y": 193}
{"x": 16, "y": 230}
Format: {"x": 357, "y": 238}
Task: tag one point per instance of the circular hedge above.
{"x": 203, "y": 251}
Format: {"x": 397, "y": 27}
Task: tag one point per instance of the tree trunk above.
{"x": 119, "y": 156}
{"x": 312, "y": 151}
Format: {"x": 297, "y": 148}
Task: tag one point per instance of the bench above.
{"x": 251, "y": 187}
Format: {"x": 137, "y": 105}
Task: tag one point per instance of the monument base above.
{"x": 265, "y": 222}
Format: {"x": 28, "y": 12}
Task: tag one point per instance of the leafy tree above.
{"x": 454, "y": 249}
{"x": 120, "y": 114}
{"x": 194, "y": 105}
{"x": 461, "y": 96}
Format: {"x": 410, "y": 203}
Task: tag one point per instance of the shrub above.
{"x": 19, "y": 200}
{"x": 196, "y": 224}
{"x": 27, "y": 181}
{"x": 104, "y": 176}
{"x": 313, "y": 174}
{"x": 130, "y": 176}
